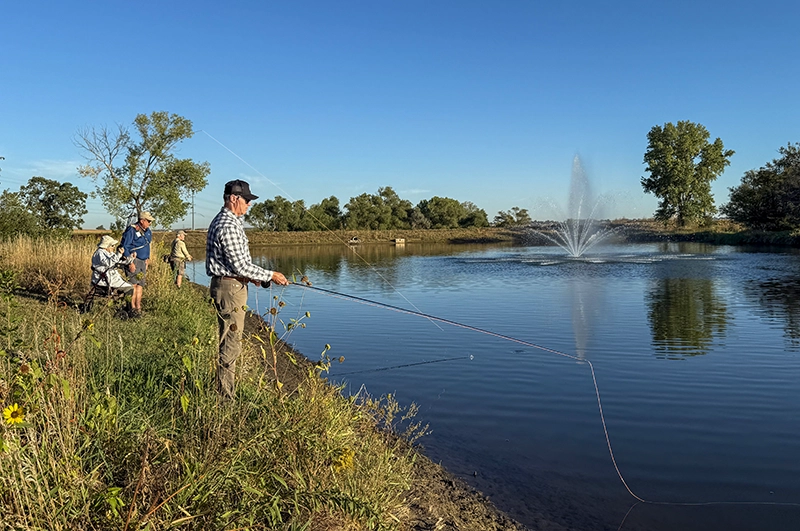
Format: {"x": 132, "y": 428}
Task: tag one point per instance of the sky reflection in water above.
{"x": 695, "y": 349}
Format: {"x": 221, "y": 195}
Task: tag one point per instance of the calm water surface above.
{"x": 696, "y": 349}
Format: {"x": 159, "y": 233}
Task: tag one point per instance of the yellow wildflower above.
{"x": 344, "y": 461}
{"x": 14, "y": 414}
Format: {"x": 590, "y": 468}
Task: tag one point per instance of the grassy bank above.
{"x": 341, "y": 237}
{"x": 115, "y": 424}
{"x": 721, "y": 232}
{"x": 197, "y": 238}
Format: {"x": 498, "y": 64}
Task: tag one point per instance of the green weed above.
{"x": 117, "y": 424}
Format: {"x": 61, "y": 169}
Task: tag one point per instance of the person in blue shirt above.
{"x": 136, "y": 245}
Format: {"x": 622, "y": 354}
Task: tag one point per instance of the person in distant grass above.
{"x": 136, "y": 244}
{"x": 178, "y": 257}
{"x": 230, "y": 266}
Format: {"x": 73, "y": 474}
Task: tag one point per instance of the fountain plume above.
{"x": 580, "y": 231}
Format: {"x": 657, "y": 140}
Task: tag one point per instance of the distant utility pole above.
{"x": 192, "y": 210}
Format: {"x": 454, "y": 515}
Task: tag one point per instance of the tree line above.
{"x": 383, "y": 210}
{"x": 139, "y": 170}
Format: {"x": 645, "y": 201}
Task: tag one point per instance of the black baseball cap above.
{"x": 240, "y": 188}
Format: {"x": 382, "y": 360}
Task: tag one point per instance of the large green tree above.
{"x": 143, "y": 173}
{"x": 769, "y": 198}
{"x": 42, "y": 207}
{"x": 15, "y": 218}
{"x": 682, "y": 165}
{"x": 516, "y": 217}
{"x": 58, "y": 206}
{"x": 401, "y": 208}
{"x": 418, "y": 220}
{"x": 277, "y": 214}
{"x": 381, "y": 211}
{"x": 473, "y": 216}
{"x": 443, "y": 212}
{"x": 367, "y": 211}
{"x": 325, "y": 215}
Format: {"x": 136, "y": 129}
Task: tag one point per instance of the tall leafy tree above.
{"x": 474, "y": 216}
{"x": 515, "y": 217}
{"x": 769, "y": 198}
{"x": 368, "y": 211}
{"x": 277, "y": 214}
{"x": 143, "y": 173}
{"x": 15, "y": 218}
{"x": 58, "y": 206}
{"x": 443, "y": 212}
{"x": 401, "y": 208}
{"x": 381, "y": 211}
{"x": 682, "y": 165}
{"x": 418, "y": 219}
{"x": 325, "y": 215}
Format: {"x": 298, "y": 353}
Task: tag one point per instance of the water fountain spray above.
{"x": 580, "y": 231}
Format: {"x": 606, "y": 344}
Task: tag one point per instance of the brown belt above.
{"x": 243, "y": 280}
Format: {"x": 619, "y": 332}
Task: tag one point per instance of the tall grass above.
{"x": 49, "y": 266}
{"x": 120, "y": 427}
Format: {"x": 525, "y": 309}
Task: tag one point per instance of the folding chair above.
{"x": 107, "y": 292}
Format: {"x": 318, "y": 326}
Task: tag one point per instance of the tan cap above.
{"x": 107, "y": 241}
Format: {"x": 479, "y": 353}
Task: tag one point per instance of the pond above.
{"x": 695, "y": 348}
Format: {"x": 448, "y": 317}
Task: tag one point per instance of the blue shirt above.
{"x": 138, "y": 241}
{"x": 228, "y": 250}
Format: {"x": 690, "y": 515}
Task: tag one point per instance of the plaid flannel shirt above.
{"x": 228, "y": 251}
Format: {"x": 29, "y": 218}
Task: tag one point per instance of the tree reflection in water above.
{"x": 685, "y": 315}
{"x": 780, "y": 300}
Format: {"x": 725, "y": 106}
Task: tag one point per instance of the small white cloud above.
{"x": 260, "y": 182}
{"x": 52, "y": 169}
{"x": 413, "y": 191}
{"x": 13, "y": 176}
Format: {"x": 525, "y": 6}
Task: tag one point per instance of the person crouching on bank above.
{"x": 104, "y": 266}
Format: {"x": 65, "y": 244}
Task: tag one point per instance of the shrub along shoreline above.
{"x": 115, "y": 424}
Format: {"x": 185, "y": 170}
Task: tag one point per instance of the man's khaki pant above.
{"x": 230, "y": 298}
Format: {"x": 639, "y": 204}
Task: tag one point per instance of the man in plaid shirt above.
{"x": 230, "y": 266}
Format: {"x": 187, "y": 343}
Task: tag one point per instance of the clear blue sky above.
{"x": 479, "y": 101}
